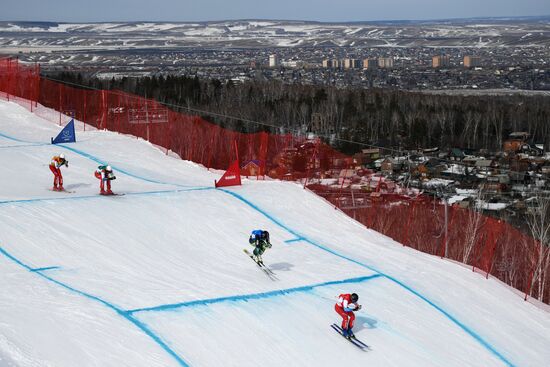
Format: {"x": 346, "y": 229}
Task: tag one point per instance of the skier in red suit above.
{"x": 55, "y": 166}
{"x": 347, "y": 303}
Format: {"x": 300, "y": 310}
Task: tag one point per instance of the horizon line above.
{"x": 494, "y": 18}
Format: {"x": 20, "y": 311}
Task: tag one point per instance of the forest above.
{"x": 345, "y": 117}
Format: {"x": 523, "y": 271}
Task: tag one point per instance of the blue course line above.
{"x": 461, "y": 325}
{"x": 46, "y": 268}
{"x": 253, "y": 296}
{"x": 15, "y": 139}
{"x": 25, "y": 201}
{"x": 21, "y": 146}
{"x": 160, "y": 192}
{"x": 119, "y": 311}
{"x": 95, "y": 159}
{"x": 98, "y": 196}
{"x": 294, "y": 240}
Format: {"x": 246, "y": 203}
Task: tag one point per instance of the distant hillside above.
{"x": 475, "y": 32}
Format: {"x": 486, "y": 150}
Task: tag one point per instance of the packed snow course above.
{"x": 158, "y": 277}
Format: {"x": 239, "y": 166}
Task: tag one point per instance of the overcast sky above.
{"x": 321, "y": 10}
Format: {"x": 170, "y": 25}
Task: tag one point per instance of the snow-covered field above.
{"x": 533, "y": 32}
{"x": 157, "y": 277}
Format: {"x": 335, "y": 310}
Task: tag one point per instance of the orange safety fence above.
{"x": 414, "y": 219}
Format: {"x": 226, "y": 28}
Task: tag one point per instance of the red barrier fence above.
{"x": 488, "y": 244}
{"x": 415, "y": 220}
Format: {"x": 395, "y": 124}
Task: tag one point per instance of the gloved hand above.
{"x": 268, "y": 245}
{"x": 358, "y": 308}
{"x": 67, "y": 164}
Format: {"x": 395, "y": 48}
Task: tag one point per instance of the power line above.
{"x": 294, "y": 131}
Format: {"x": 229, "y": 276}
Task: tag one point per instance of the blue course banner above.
{"x": 67, "y": 135}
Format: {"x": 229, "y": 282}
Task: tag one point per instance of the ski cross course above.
{"x": 297, "y": 236}
{"x": 274, "y": 220}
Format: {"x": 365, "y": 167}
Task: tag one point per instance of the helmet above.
{"x": 108, "y": 169}
{"x": 354, "y": 297}
{"x": 62, "y": 156}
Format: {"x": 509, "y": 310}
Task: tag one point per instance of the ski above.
{"x": 261, "y": 265}
{"x": 65, "y": 191}
{"x": 113, "y": 194}
{"x": 353, "y": 340}
{"x": 268, "y": 270}
{"x": 353, "y": 337}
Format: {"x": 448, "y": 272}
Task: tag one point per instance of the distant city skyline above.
{"x": 309, "y": 10}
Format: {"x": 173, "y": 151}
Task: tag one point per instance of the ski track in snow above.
{"x": 129, "y": 314}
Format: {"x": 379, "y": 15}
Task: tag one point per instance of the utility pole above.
{"x": 146, "y": 116}
{"x": 446, "y": 224}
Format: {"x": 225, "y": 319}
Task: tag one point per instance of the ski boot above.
{"x": 345, "y": 333}
{"x": 259, "y": 260}
{"x": 350, "y": 333}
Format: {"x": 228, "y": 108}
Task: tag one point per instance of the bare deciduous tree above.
{"x": 538, "y": 220}
{"x": 473, "y": 226}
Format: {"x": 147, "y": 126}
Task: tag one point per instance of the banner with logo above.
{"x": 67, "y": 135}
{"x": 231, "y": 177}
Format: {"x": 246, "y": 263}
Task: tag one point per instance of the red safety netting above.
{"x": 18, "y": 81}
{"x": 490, "y": 245}
{"x": 415, "y": 220}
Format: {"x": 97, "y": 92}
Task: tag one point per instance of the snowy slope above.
{"x": 157, "y": 277}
